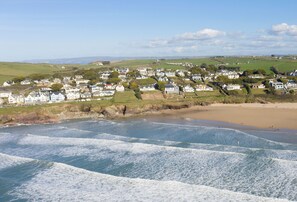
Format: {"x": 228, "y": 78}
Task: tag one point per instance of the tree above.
{"x": 113, "y": 80}
{"x": 18, "y": 79}
{"x": 161, "y": 85}
{"x": 114, "y": 74}
{"x": 56, "y": 87}
{"x": 133, "y": 85}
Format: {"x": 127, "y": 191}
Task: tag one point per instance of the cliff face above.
{"x": 85, "y": 111}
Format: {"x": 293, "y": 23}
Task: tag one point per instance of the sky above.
{"x": 50, "y": 29}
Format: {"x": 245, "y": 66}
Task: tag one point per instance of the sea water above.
{"x": 144, "y": 160}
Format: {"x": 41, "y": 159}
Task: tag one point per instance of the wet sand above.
{"x": 268, "y": 116}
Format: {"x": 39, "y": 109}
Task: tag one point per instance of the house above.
{"x": 122, "y": 70}
{"x": 35, "y": 97}
{"x": 86, "y": 95}
{"x": 72, "y": 93}
{"x": 5, "y": 94}
{"x": 196, "y": 77}
{"x": 78, "y": 77}
{"x": 25, "y": 82}
{"x": 170, "y": 74}
{"x": 16, "y": 99}
{"x": 57, "y": 80}
{"x": 141, "y": 77}
{"x": 7, "y": 83}
{"x": 256, "y": 76}
{"x": 1, "y": 101}
{"x": 277, "y": 85}
{"x": 188, "y": 89}
{"x": 233, "y": 75}
{"x": 180, "y": 73}
{"x": 292, "y": 85}
{"x": 106, "y": 93}
{"x": 66, "y": 79}
{"x": 105, "y": 75}
{"x": 160, "y": 74}
{"x": 163, "y": 79}
{"x": 110, "y": 86}
{"x": 171, "y": 89}
{"x": 57, "y": 97}
{"x": 231, "y": 87}
{"x": 147, "y": 88}
{"x": 122, "y": 76}
{"x": 259, "y": 86}
{"x": 120, "y": 88}
{"x": 142, "y": 71}
{"x": 203, "y": 88}
{"x": 150, "y": 72}
{"x": 95, "y": 88}
{"x": 294, "y": 73}
{"x": 82, "y": 82}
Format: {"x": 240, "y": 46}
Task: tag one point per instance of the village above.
{"x": 103, "y": 84}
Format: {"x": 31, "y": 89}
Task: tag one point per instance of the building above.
{"x": 203, "y": 88}
{"x": 120, "y": 88}
{"x": 171, "y": 89}
{"x": 147, "y": 88}
{"x": 57, "y": 97}
{"x": 16, "y": 99}
{"x": 5, "y": 94}
{"x": 232, "y": 87}
{"x": 259, "y": 86}
{"x": 277, "y": 85}
{"x": 292, "y": 85}
{"x": 188, "y": 89}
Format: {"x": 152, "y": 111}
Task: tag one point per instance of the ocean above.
{"x": 146, "y": 160}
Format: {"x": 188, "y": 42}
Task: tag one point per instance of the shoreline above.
{"x": 272, "y": 116}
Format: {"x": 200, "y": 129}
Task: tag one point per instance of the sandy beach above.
{"x": 273, "y": 116}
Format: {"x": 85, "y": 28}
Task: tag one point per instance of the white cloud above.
{"x": 201, "y": 35}
{"x": 284, "y": 28}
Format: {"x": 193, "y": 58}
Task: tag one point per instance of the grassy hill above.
{"x": 9, "y": 70}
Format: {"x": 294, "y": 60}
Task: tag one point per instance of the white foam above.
{"x": 7, "y": 161}
{"x": 66, "y": 183}
{"x": 223, "y": 170}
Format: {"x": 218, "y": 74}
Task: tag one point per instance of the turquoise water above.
{"x": 144, "y": 160}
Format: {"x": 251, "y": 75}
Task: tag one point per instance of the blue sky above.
{"x": 46, "y": 29}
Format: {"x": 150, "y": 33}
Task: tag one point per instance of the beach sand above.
{"x": 272, "y": 116}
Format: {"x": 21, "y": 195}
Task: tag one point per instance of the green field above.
{"x": 125, "y": 97}
{"x": 9, "y": 70}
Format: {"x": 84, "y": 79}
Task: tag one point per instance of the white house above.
{"x": 196, "y": 77}
{"x": 160, "y": 74}
{"x": 291, "y": 85}
{"x": 256, "y": 76}
{"x": 232, "y": 87}
{"x": 203, "y": 88}
{"x": 171, "y": 89}
{"x": 170, "y": 74}
{"x": 188, "y": 89}
{"x": 37, "y": 97}
{"x": 105, "y": 75}
{"x": 106, "y": 93}
{"x": 5, "y": 94}
{"x": 180, "y": 73}
{"x": 233, "y": 75}
{"x": 142, "y": 71}
{"x": 96, "y": 88}
{"x": 147, "y": 88}
{"x": 7, "y": 83}
{"x": 25, "y": 82}
{"x": 57, "y": 97}
{"x": 141, "y": 77}
{"x": 259, "y": 86}
{"x": 163, "y": 79}
{"x": 110, "y": 86}
{"x": 85, "y": 95}
{"x": 277, "y": 85}
{"x": 72, "y": 93}
{"x": 120, "y": 88}
{"x": 16, "y": 99}
{"x": 294, "y": 73}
